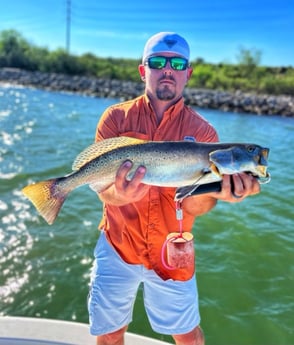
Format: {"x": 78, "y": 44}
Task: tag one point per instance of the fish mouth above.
{"x": 266, "y": 179}
{"x": 262, "y": 170}
{"x": 264, "y": 152}
{"x": 214, "y": 169}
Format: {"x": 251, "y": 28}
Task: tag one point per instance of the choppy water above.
{"x": 245, "y": 260}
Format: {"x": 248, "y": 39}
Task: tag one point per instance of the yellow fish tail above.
{"x": 47, "y": 200}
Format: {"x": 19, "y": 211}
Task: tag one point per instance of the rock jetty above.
{"x": 109, "y": 88}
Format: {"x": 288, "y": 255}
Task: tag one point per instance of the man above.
{"x": 137, "y": 218}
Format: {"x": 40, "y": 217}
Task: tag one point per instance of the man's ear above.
{"x": 141, "y": 69}
{"x": 190, "y": 72}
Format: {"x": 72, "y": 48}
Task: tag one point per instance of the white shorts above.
{"x": 171, "y": 306}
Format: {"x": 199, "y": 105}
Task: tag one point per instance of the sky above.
{"x": 216, "y": 30}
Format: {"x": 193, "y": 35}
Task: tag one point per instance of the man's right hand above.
{"x": 124, "y": 191}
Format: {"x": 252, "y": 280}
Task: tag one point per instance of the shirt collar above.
{"x": 172, "y": 111}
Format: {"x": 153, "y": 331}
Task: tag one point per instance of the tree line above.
{"x": 246, "y": 75}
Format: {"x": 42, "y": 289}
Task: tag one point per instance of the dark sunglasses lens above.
{"x": 178, "y": 63}
{"x": 157, "y": 62}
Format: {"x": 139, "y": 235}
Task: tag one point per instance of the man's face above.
{"x": 165, "y": 84}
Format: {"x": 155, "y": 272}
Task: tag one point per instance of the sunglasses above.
{"x": 159, "y": 62}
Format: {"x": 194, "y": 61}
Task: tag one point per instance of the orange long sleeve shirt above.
{"x": 138, "y": 230}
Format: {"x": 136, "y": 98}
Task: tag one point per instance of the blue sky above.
{"x": 215, "y": 29}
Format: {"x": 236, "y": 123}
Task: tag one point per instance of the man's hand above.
{"x": 124, "y": 191}
{"x": 237, "y": 187}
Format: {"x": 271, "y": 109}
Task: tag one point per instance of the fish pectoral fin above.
{"x": 197, "y": 190}
{"x": 184, "y": 192}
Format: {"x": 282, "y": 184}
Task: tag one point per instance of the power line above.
{"x": 68, "y": 24}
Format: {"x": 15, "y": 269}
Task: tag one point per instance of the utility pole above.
{"x": 68, "y": 22}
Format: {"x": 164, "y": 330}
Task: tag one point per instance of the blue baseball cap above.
{"x": 166, "y": 42}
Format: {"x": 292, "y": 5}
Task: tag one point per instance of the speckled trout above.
{"x": 181, "y": 164}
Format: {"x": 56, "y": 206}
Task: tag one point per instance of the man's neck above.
{"x": 160, "y": 106}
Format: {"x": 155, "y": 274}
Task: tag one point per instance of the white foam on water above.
{"x": 15, "y": 244}
{"x": 5, "y": 113}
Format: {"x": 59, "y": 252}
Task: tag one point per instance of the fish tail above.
{"x": 47, "y": 199}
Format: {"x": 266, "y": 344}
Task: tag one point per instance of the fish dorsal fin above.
{"x": 99, "y": 148}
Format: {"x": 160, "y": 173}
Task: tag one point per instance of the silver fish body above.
{"x": 169, "y": 164}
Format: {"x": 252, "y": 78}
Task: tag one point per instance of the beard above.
{"x": 165, "y": 93}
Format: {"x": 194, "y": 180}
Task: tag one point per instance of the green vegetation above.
{"x": 247, "y": 75}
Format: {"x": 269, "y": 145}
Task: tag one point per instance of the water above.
{"x": 244, "y": 251}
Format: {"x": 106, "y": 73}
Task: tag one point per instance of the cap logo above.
{"x": 170, "y": 43}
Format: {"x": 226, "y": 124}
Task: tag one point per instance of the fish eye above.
{"x": 250, "y": 149}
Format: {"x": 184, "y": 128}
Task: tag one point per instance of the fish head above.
{"x": 238, "y": 158}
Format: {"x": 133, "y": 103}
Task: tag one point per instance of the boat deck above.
{"x": 35, "y": 331}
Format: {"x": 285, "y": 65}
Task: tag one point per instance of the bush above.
{"x": 276, "y": 85}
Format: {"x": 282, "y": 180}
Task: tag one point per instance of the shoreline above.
{"x": 237, "y": 101}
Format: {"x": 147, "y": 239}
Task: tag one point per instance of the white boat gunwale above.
{"x": 39, "y": 331}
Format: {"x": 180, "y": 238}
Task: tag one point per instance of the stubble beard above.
{"x": 165, "y": 93}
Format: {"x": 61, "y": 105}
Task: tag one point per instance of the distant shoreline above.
{"x": 106, "y": 88}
